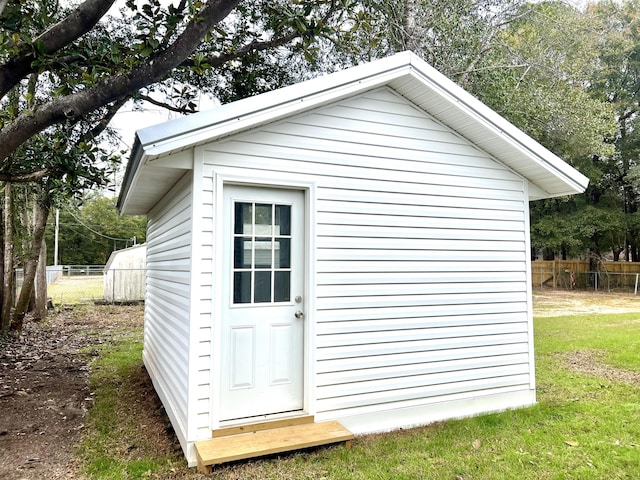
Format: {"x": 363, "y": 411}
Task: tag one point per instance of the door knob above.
{"x": 298, "y": 314}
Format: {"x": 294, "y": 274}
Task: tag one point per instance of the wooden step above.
{"x": 267, "y": 442}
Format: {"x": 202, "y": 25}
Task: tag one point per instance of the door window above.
{"x": 261, "y": 253}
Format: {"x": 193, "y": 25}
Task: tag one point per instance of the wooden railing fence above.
{"x": 568, "y": 274}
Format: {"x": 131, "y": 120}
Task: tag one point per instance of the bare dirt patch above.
{"x": 552, "y": 303}
{"x": 44, "y": 394}
{"x": 591, "y": 362}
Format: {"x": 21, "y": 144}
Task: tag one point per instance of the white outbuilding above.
{"x": 124, "y": 276}
{"x": 352, "y": 248}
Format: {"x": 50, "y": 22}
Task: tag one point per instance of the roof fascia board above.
{"x": 130, "y": 176}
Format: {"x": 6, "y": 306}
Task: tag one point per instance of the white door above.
{"x": 263, "y": 305}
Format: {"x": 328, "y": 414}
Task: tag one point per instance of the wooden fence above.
{"x": 568, "y": 274}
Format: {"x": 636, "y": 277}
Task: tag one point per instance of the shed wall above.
{"x": 421, "y": 256}
{"x": 125, "y": 275}
{"x": 166, "y": 327}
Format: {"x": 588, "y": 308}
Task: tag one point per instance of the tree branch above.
{"x": 258, "y": 46}
{"x": 81, "y": 20}
{"x": 254, "y": 46}
{"x": 102, "y": 125}
{"x": 158, "y": 103}
{"x": 73, "y": 106}
{"x": 25, "y": 178}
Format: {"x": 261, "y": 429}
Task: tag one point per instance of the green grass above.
{"x": 583, "y": 427}
{"x": 116, "y": 444}
{"x": 75, "y": 290}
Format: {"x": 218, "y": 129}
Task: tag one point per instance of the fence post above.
{"x": 635, "y": 292}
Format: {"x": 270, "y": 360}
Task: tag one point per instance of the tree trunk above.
{"x": 40, "y": 310}
{"x": 43, "y": 205}
{"x": 7, "y": 278}
{"x": 410, "y": 34}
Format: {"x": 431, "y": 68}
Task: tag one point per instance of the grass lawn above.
{"x": 586, "y": 424}
{"x": 74, "y": 290}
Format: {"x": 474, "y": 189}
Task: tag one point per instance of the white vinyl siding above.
{"x": 421, "y": 253}
{"x": 166, "y": 329}
{"x": 203, "y": 314}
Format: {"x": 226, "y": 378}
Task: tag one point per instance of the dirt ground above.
{"x": 44, "y": 393}
{"x": 552, "y": 303}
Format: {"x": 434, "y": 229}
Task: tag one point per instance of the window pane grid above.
{"x": 261, "y": 253}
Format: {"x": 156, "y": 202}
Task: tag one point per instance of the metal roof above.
{"x": 147, "y": 178}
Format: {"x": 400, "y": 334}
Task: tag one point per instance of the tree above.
{"x": 91, "y": 231}
{"x": 65, "y": 71}
{"x": 618, "y": 83}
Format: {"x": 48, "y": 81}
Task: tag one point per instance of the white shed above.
{"x": 124, "y": 274}
{"x": 352, "y": 248}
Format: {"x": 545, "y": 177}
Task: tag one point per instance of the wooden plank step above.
{"x": 256, "y": 427}
{"x": 267, "y": 442}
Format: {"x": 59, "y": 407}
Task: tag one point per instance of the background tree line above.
{"x": 567, "y": 75}
{"x": 87, "y": 234}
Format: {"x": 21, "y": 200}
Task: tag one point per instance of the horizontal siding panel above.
{"x": 203, "y": 347}
{"x": 171, "y": 383}
{"x": 180, "y": 208}
{"x": 351, "y": 220}
{"x": 421, "y": 392}
{"x": 451, "y": 299}
{"x": 394, "y": 123}
{"x": 335, "y": 140}
{"x": 434, "y": 217}
{"x": 282, "y": 142}
{"x": 263, "y": 171}
{"x": 406, "y": 323}
{"x": 394, "y": 118}
{"x": 411, "y": 244}
{"x": 413, "y": 266}
{"x": 204, "y": 323}
{"x": 172, "y": 238}
{"x": 179, "y": 227}
{"x": 169, "y": 255}
{"x": 386, "y": 385}
{"x": 402, "y": 199}
{"x": 390, "y": 348}
{"x": 416, "y": 233}
{"x": 418, "y": 255}
{"x": 367, "y": 207}
{"x": 179, "y": 289}
{"x": 176, "y": 265}
{"x": 399, "y": 311}
{"x": 393, "y": 336}
{"x": 172, "y": 275}
{"x": 169, "y": 303}
{"x": 345, "y": 367}
{"x": 397, "y": 277}
{"x": 321, "y": 169}
{"x": 407, "y": 154}
{"x": 173, "y": 362}
{"x": 423, "y": 403}
{"x": 332, "y": 128}
{"x": 337, "y": 291}
{"x": 385, "y": 102}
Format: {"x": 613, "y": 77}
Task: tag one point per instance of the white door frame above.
{"x": 309, "y": 191}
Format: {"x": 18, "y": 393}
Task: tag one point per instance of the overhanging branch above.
{"x": 74, "y": 106}
{"x": 81, "y": 20}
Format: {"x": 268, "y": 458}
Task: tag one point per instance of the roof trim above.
{"x": 408, "y": 75}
